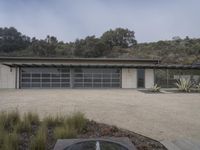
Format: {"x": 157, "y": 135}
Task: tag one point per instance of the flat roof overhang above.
{"x": 146, "y": 66}
{"x": 63, "y": 59}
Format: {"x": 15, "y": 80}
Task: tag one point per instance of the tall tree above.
{"x": 12, "y": 40}
{"x": 119, "y": 37}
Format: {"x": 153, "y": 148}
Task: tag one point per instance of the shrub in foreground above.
{"x": 64, "y": 132}
{"x": 35, "y": 133}
{"x": 23, "y": 126}
{"x": 10, "y": 141}
{"x": 77, "y": 120}
{"x": 52, "y": 121}
{"x": 39, "y": 142}
{"x": 9, "y": 119}
{"x": 31, "y": 117}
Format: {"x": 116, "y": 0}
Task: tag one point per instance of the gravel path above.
{"x": 159, "y": 116}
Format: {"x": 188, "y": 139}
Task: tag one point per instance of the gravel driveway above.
{"x": 159, "y": 116}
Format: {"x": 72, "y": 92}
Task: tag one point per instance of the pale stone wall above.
{"x": 129, "y": 78}
{"x": 7, "y": 77}
{"x": 149, "y": 78}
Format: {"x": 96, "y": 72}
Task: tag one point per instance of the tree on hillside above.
{"x": 12, "y": 40}
{"x": 44, "y": 47}
{"x": 119, "y": 37}
{"x": 89, "y": 47}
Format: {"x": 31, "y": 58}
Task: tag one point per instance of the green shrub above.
{"x": 33, "y": 118}
{"x": 2, "y": 135}
{"x": 10, "y": 142}
{"x": 23, "y": 126}
{"x": 198, "y": 86}
{"x": 184, "y": 85}
{"x": 9, "y": 119}
{"x": 39, "y": 142}
{"x": 51, "y": 121}
{"x": 64, "y": 132}
{"x": 155, "y": 88}
{"x": 77, "y": 121}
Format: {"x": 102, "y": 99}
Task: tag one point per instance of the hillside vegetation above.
{"x": 119, "y": 43}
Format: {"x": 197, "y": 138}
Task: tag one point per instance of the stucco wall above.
{"x": 149, "y": 78}
{"x": 129, "y": 78}
{"x": 7, "y": 77}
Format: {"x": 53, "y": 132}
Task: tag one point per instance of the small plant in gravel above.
{"x": 155, "y": 88}
{"x": 184, "y": 85}
{"x": 39, "y": 141}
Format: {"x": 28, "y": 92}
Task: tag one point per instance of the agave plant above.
{"x": 184, "y": 85}
{"x": 198, "y": 86}
{"x": 155, "y": 88}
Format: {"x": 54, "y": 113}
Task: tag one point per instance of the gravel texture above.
{"x": 160, "y": 116}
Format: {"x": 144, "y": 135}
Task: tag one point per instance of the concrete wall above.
{"x": 129, "y": 78}
{"x": 149, "y": 78}
{"x": 7, "y": 77}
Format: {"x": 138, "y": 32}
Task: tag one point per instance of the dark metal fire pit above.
{"x": 111, "y": 143}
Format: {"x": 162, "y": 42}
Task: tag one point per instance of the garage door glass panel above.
{"x": 96, "y": 78}
{"x": 40, "y": 77}
{"x": 45, "y": 77}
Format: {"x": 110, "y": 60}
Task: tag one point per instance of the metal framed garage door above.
{"x": 96, "y": 78}
{"x": 45, "y": 78}
{"x": 40, "y": 77}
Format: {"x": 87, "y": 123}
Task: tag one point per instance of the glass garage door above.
{"x": 45, "y": 78}
{"x": 70, "y": 78}
{"x": 96, "y": 78}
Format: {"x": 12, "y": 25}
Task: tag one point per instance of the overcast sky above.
{"x": 152, "y": 20}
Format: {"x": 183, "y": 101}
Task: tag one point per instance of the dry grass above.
{"x": 9, "y": 119}
{"x": 51, "y": 121}
{"x": 64, "y": 132}
{"x": 33, "y": 118}
{"x": 39, "y": 141}
{"x": 77, "y": 121}
{"x": 12, "y": 126}
{"x": 11, "y": 141}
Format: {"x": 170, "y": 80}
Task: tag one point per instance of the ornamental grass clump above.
{"x": 33, "y": 118}
{"x": 24, "y": 125}
{"x": 64, "y": 132}
{"x": 198, "y": 87}
{"x": 52, "y": 121}
{"x": 39, "y": 141}
{"x": 9, "y": 119}
{"x": 77, "y": 121}
{"x": 184, "y": 85}
{"x": 155, "y": 88}
{"x": 35, "y": 134}
{"x": 10, "y": 141}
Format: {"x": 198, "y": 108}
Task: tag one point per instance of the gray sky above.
{"x": 152, "y": 20}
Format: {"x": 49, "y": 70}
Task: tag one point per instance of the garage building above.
{"x": 32, "y": 72}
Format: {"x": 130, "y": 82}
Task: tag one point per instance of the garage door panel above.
{"x": 63, "y": 78}
{"x": 45, "y": 78}
{"x": 97, "y": 78}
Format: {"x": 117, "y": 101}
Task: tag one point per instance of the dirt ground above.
{"x": 161, "y": 116}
